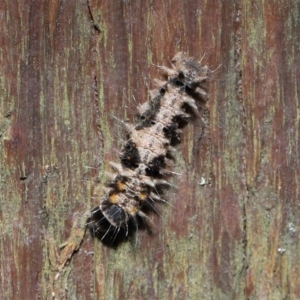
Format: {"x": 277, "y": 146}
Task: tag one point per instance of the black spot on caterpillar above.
{"x": 140, "y": 178}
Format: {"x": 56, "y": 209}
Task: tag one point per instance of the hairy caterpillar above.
{"x": 140, "y": 177}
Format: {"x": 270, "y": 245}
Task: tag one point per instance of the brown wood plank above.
{"x": 66, "y": 66}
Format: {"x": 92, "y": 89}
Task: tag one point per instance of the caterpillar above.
{"x": 139, "y": 179}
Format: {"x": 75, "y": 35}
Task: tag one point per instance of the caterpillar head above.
{"x": 189, "y": 71}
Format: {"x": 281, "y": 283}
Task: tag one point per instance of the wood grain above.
{"x": 66, "y": 66}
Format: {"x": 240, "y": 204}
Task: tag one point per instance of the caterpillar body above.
{"x": 145, "y": 159}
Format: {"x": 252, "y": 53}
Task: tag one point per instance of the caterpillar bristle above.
{"x": 159, "y": 83}
{"x": 167, "y": 71}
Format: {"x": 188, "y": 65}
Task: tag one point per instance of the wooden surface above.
{"x": 66, "y": 66}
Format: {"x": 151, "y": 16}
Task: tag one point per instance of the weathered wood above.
{"x": 67, "y": 65}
